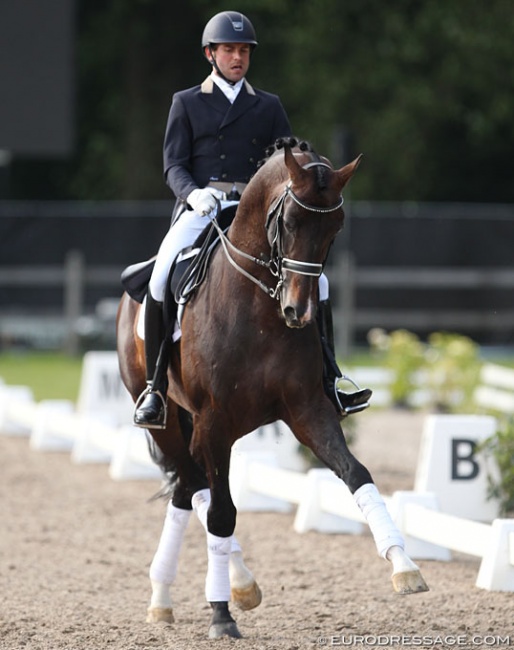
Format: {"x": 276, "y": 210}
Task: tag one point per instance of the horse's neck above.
{"x": 247, "y": 231}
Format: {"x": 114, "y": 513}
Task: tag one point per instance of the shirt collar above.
{"x": 230, "y": 91}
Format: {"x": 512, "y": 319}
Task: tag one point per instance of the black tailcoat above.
{"x": 209, "y": 139}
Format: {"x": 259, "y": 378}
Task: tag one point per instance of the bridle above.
{"x": 277, "y": 263}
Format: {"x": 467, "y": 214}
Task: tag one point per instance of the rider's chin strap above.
{"x": 216, "y": 67}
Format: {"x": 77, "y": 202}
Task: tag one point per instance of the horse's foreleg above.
{"x": 211, "y": 449}
{"x": 407, "y": 578}
{"x": 326, "y": 439}
{"x": 163, "y": 568}
{"x": 244, "y": 590}
{"x": 217, "y": 581}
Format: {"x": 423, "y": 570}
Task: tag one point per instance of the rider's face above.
{"x": 233, "y": 59}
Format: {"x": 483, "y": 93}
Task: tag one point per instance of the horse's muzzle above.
{"x": 294, "y": 319}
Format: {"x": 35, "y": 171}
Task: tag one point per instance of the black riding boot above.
{"x": 345, "y": 403}
{"x": 151, "y": 406}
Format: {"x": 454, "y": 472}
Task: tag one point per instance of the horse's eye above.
{"x": 290, "y": 226}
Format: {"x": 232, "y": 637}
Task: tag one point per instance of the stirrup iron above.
{"x": 158, "y": 425}
{"x": 360, "y": 397}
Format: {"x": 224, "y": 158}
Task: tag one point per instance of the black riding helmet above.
{"x": 228, "y": 27}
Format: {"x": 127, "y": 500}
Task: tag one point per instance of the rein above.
{"x": 226, "y": 243}
{"x": 278, "y": 262}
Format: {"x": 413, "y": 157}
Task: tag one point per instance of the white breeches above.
{"x": 182, "y": 234}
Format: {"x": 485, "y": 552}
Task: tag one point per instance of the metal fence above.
{"x": 423, "y": 267}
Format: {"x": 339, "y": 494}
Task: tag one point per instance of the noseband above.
{"x": 277, "y": 262}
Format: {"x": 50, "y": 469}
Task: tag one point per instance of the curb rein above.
{"x": 277, "y": 263}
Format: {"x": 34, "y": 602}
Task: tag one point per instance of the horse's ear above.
{"x": 296, "y": 171}
{"x": 345, "y": 173}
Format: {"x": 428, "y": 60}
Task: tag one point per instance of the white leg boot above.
{"x": 163, "y": 569}
{"x": 407, "y": 578}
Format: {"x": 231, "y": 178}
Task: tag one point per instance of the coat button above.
{"x": 223, "y": 156}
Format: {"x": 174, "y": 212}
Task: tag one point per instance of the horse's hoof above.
{"x": 160, "y": 615}
{"x": 228, "y": 628}
{"x": 246, "y": 598}
{"x": 409, "y": 582}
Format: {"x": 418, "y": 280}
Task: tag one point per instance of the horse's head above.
{"x": 302, "y": 224}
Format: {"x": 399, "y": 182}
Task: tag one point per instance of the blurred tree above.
{"x": 424, "y": 89}
{"x": 133, "y": 56}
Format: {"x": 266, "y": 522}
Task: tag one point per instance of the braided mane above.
{"x": 280, "y": 143}
{"x": 302, "y": 145}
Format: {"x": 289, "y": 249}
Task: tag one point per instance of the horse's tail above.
{"x": 167, "y": 467}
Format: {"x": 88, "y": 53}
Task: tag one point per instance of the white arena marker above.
{"x": 496, "y": 570}
{"x": 102, "y": 392}
{"x": 131, "y": 460}
{"x": 450, "y": 467}
{"x": 16, "y": 410}
{"x": 275, "y": 438}
{"x": 48, "y": 432}
{"x": 248, "y": 487}
{"x": 414, "y": 547}
{"x": 104, "y": 404}
{"x": 327, "y": 506}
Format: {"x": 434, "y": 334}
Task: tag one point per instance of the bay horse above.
{"x": 250, "y": 354}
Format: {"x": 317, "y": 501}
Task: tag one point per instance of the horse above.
{"x": 250, "y": 354}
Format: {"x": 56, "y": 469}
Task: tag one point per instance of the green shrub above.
{"x": 500, "y": 447}
{"x": 403, "y": 353}
{"x": 453, "y": 371}
{"x": 447, "y": 365}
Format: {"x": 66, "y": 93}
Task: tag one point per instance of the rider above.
{"x": 216, "y": 134}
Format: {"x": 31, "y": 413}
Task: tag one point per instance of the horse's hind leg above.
{"x": 170, "y": 452}
{"x": 163, "y": 569}
{"x": 324, "y": 436}
{"x": 244, "y": 590}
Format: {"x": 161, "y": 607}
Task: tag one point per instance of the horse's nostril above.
{"x": 290, "y": 313}
{"x": 291, "y": 317}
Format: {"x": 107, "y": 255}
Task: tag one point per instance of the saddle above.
{"x": 187, "y": 272}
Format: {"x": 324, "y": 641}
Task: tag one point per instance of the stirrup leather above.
{"x": 156, "y": 425}
{"x": 359, "y": 397}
